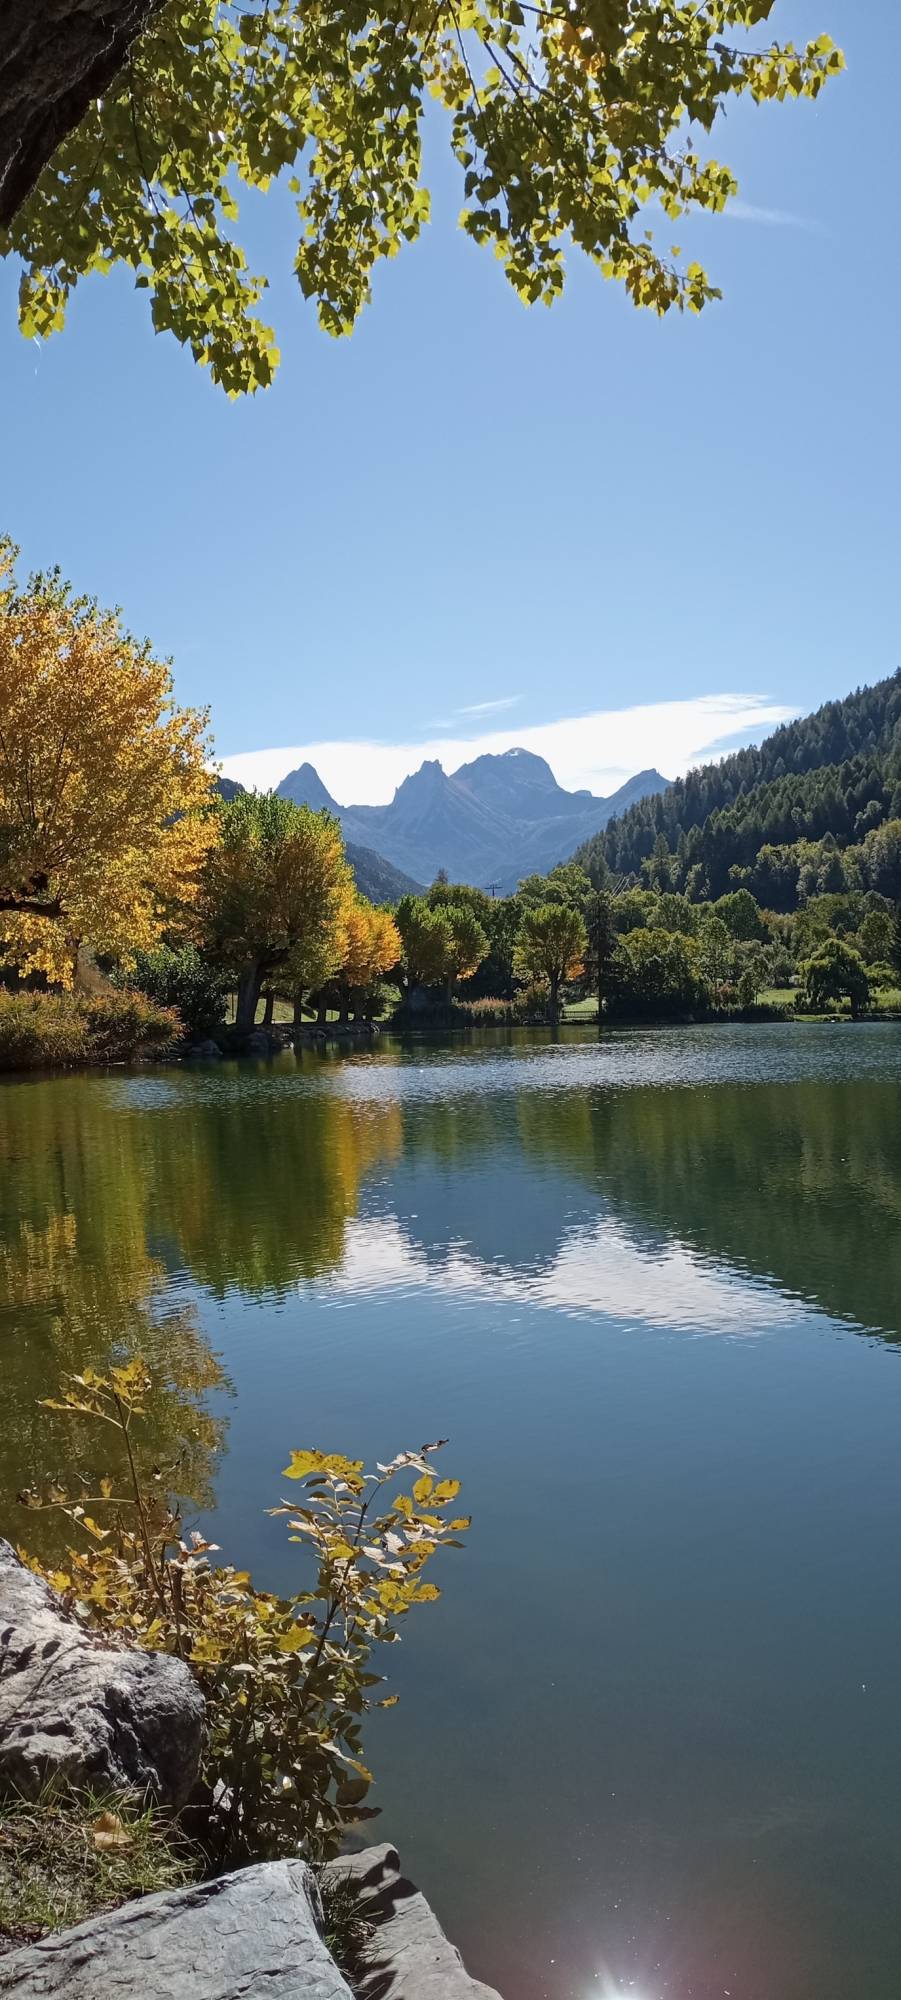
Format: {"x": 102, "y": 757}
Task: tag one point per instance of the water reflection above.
{"x": 657, "y": 1707}
{"x": 598, "y": 1269}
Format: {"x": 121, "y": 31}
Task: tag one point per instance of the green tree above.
{"x": 272, "y": 897}
{"x": 836, "y": 970}
{"x": 876, "y": 936}
{"x": 741, "y": 916}
{"x": 467, "y": 944}
{"x": 602, "y": 942}
{"x": 658, "y": 972}
{"x": 717, "y": 952}
{"x": 551, "y": 945}
{"x": 894, "y": 954}
{"x": 425, "y": 943}
{"x": 566, "y": 883}
{"x": 564, "y": 121}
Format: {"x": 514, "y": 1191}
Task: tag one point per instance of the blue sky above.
{"x": 604, "y": 521}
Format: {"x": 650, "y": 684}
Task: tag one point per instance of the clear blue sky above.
{"x": 466, "y": 502}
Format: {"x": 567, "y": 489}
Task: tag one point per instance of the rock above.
{"x": 411, "y": 1959}
{"x": 206, "y": 1051}
{"x": 248, "y": 1936}
{"x": 258, "y": 1042}
{"x": 77, "y": 1711}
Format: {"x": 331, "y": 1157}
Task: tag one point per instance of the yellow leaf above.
{"x": 296, "y": 1638}
{"x": 109, "y": 1832}
{"x": 423, "y": 1488}
{"x": 305, "y": 1463}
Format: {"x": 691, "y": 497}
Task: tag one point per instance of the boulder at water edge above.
{"x": 248, "y": 1936}
{"x": 76, "y": 1711}
{"x": 410, "y": 1958}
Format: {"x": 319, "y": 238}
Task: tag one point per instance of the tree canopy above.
{"x": 104, "y": 786}
{"x": 551, "y": 945}
{"x": 275, "y": 888}
{"x": 566, "y": 122}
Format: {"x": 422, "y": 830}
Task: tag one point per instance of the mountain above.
{"x": 305, "y": 788}
{"x": 491, "y": 822}
{"x": 374, "y": 876}
{"x": 814, "y": 808}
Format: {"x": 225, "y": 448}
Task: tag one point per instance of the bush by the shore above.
{"x": 65, "y": 1030}
{"x": 181, "y": 979}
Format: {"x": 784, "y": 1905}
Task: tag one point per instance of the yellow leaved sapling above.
{"x": 288, "y": 1680}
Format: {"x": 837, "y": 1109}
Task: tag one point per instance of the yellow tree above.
{"x": 371, "y": 946}
{"x": 274, "y": 889}
{"x": 104, "y": 783}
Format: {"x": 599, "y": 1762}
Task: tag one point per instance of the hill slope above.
{"x": 833, "y": 776}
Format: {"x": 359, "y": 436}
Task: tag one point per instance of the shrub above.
{"x": 183, "y": 980}
{"x": 41, "y": 1031}
{"x": 127, "y": 1024}
{"x": 58, "y": 1030}
{"x": 287, "y": 1680}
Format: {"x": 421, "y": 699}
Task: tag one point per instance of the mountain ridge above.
{"x": 492, "y": 821}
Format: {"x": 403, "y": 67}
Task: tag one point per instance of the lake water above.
{"x": 649, "y": 1286}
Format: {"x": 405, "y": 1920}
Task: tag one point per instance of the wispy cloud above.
{"x": 584, "y": 751}
{"x": 771, "y": 218}
{"x": 489, "y": 707}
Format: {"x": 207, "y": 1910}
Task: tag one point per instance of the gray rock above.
{"x": 76, "y": 1711}
{"x": 411, "y": 1959}
{"x": 248, "y": 1936}
{"x": 206, "y": 1051}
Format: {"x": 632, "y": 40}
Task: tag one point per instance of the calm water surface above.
{"x": 650, "y": 1739}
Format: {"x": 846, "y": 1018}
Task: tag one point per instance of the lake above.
{"x": 649, "y": 1286}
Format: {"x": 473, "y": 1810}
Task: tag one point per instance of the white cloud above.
{"x": 591, "y": 752}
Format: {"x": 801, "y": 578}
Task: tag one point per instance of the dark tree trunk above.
{"x": 249, "y": 985}
{"x": 56, "y": 56}
{"x": 269, "y": 1009}
{"x": 555, "y": 989}
{"x": 298, "y": 1010}
{"x": 322, "y": 1011}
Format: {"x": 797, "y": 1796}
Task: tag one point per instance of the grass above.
{"x": 347, "y": 1931}
{"x": 64, "y": 1858}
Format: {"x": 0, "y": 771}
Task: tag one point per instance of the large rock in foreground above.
{"x": 75, "y": 1711}
{"x": 410, "y": 1958}
{"x": 247, "y": 1936}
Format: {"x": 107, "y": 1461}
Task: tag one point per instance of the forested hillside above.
{"x": 811, "y": 810}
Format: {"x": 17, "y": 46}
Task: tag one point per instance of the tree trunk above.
{"x": 249, "y": 984}
{"x": 322, "y": 1012}
{"x": 269, "y": 1009}
{"x": 56, "y": 56}
{"x": 555, "y": 988}
{"x": 298, "y": 1009}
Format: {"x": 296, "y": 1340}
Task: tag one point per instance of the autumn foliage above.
{"x": 104, "y": 785}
